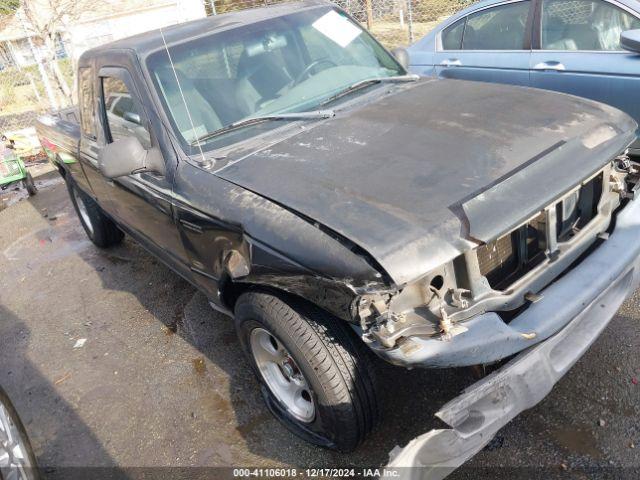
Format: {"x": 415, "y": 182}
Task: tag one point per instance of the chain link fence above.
{"x": 401, "y": 22}
{"x": 394, "y": 22}
{"x": 36, "y": 65}
{"x": 25, "y": 92}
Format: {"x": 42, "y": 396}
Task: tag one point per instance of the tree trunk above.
{"x": 54, "y": 71}
{"x": 64, "y": 86}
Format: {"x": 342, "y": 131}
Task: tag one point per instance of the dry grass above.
{"x": 19, "y": 99}
{"x": 391, "y": 34}
{"x": 20, "y": 89}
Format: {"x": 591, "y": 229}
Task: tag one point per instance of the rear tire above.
{"x": 100, "y": 229}
{"x": 30, "y": 185}
{"x": 325, "y": 357}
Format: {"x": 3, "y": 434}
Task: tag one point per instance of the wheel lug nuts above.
{"x": 288, "y": 370}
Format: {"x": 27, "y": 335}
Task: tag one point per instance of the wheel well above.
{"x": 230, "y": 291}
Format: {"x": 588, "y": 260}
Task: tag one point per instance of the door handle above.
{"x": 553, "y": 66}
{"x": 451, "y": 62}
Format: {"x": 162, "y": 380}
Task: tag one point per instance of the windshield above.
{"x": 286, "y": 64}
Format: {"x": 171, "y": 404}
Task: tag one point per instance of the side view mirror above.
{"x": 122, "y": 157}
{"x": 630, "y": 40}
{"x": 402, "y": 56}
{"x": 132, "y": 117}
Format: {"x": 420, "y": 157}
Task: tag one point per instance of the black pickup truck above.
{"x": 335, "y": 205}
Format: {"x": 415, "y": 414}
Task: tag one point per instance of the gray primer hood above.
{"x": 423, "y": 174}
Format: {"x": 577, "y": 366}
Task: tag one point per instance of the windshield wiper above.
{"x": 370, "y": 81}
{"x": 318, "y": 114}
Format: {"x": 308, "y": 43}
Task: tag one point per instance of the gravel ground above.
{"x": 160, "y": 380}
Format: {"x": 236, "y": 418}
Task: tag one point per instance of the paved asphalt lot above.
{"x": 160, "y": 380}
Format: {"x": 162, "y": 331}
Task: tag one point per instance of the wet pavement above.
{"x": 160, "y": 379}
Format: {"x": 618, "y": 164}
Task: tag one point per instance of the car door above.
{"x": 491, "y": 44}
{"x": 142, "y": 201}
{"x": 577, "y": 50}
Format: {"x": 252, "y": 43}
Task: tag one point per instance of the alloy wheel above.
{"x": 282, "y": 375}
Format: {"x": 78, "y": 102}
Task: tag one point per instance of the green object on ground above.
{"x": 12, "y": 169}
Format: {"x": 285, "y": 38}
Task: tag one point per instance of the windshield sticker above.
{"x": 337, "y": 28}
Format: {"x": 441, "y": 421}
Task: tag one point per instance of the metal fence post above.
{"x": 410, "y": 19}
{"x": 369, "y": 14}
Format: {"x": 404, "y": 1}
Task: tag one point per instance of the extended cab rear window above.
{"x": 86, "y": 100}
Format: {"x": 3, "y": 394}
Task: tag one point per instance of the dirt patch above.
{"x": 578, "y": 440}
{"x": 199, "y": 367}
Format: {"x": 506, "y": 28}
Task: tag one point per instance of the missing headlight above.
{"x": 508, "y": 258}
{"x": 576, "y": 210}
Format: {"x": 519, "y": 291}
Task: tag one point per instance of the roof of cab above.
{"x": 150, "y": 41}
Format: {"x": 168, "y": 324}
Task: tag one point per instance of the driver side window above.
{"x": 124, "y": 115}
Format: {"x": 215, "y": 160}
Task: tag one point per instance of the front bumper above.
{"x": 583, "y": 291}
{"x": 596, "y": 288}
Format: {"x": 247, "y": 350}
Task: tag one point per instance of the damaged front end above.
{"x": 544, "y": 291}
{"x": 489, "y": 289}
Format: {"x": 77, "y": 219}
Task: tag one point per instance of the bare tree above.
{"x": 47, "y": 19}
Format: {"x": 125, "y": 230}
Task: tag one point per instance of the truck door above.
{"x": 90, "y": 141}
{"x": 142, "y": 201}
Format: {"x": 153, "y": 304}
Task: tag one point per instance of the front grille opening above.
{"x": 510, "y": 257}
{"x": 574, "y": 212}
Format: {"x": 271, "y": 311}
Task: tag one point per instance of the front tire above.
{"x": 100, "y": 229}
{"x": 316, "y": 376}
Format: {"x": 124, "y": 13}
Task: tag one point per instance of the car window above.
{"x": 498, "y": 28}
{"x": 109, "y": 102}
{"x": 87, "y": 113}
{"x": 125, "y": 119}
{"x": 591, "y": 25}
{"x": 452, "y": 35}
{"x": 123, "y": 105}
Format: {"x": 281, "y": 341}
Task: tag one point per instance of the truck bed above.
{"x": 59, "y": 132}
